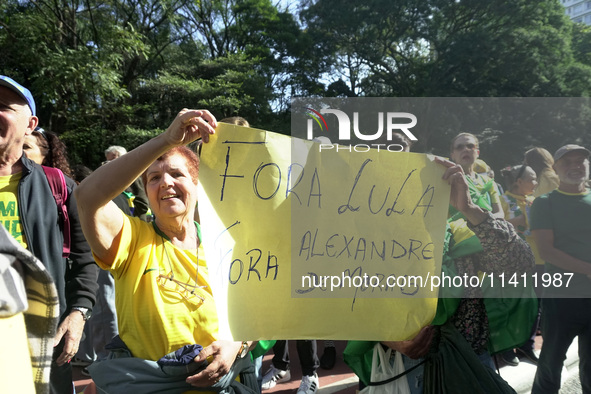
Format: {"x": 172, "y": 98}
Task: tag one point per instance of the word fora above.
{"x": 345, "y": 125}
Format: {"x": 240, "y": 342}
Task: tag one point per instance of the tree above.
{"x": 467, "y": 48}
{"x": 116, "y": 72}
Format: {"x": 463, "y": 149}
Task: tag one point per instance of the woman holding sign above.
{"x": 455, "y": 350}
{"x": 165, "y": 307}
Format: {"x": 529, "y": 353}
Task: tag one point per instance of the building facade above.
{"x": 579, "y": 11}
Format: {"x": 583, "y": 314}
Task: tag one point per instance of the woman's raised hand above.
{"x": 459, "y": 197}
{"x": 189, "y": 125}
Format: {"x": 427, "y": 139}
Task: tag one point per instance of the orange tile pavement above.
{"x": 80, "y": 381}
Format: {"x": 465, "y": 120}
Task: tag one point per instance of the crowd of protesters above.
{"x": 158, "y": 325}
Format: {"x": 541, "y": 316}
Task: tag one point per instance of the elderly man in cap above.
{"x": 29, "y": 212}
{"x": 561, "y": 225}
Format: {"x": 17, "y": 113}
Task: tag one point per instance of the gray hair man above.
{"x": 31, "y": 215}
{"x": 561, "y": 225}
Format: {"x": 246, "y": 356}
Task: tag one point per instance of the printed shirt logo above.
{"x": 9, "y": 214}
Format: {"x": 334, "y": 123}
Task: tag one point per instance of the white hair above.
{"x": 118, "y": 150}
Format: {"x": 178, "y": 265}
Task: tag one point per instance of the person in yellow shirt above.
{"x": 541, "y": 161}
{"x": 520, "y": 181}
{"x": 163, "y": 297}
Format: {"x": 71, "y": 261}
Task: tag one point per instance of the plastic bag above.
{"x": 385, "y": 377}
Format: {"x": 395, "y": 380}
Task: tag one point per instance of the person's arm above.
{"x": 545, "y": 242}
{"x": 101, "y": 220}
{"x": 82, "y": 273}
{"x": 414, "y": 348}
{"x": 81, "y": 283}
{"x": 497, "y": 211}
{"x": 460, "y": 200}
{"x": 495, "y": 199}
{"x": 504, "y": 250}
{"x": 459, "y": 196}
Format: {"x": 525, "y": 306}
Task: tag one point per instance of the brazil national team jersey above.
{"x": 9, "y": 208}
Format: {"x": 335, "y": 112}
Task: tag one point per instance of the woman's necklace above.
{"x": 169, "y": 282}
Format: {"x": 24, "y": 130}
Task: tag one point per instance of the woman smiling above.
{"x": 164, "y": 301}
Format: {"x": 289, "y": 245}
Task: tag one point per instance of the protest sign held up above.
{"x": 319, "y": 243}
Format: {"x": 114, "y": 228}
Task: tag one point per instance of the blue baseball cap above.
{"x": 20, "y": 90}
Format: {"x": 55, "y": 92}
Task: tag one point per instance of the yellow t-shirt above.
{"x": 480, "y": 180}
{"x": 514, "y": 206}
{"x": 154, "y": 321}
{"x": 547, "y": 181}
{"x": 9, "y": 213}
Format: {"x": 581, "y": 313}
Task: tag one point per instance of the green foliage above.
{"x": 467, "y": 48}
{"x": 110, "y": 72}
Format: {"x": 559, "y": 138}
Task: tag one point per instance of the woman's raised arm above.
{"x": 101, "y": 220}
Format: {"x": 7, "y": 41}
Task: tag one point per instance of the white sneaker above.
{"x": 274, "y": 376}
{"x": 309, "y": 385}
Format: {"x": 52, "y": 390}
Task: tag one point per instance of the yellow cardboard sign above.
{"x": 307, "y": 241}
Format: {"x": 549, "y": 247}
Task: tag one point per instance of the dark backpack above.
{"x": 57, "y": 184}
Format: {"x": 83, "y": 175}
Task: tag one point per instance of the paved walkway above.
{"x": 521, "y": 377}
{"x": 341, "y": 380}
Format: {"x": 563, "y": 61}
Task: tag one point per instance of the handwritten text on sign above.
{"x": 309, "y": 244}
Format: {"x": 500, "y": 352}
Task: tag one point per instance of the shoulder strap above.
{"x": 57, "y": 183}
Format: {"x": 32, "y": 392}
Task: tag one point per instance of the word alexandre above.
{"x": 344, "y": 246}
